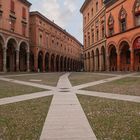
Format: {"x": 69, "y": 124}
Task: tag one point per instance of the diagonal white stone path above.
{"x": 66, "y": 119}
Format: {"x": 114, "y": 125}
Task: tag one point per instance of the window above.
{"x": 111, "y": 25}
{"x": 88, "y": 16}
{"x": 122, "y": 18}
{"x": 24, "y": 30}
{"x": 96, "y": 6}
{"x": 23, "y": 13}
{"x": 40, "y": 40}
{"x": 97, "y": 33}
{"x": 103, "y": 32}
{"x": 92, "y": 32}
{"x": 12, "y": 6}
{"x": 88, "y": 39}
{"x": 47, "y": 40}
{"x": 85, "y": 41}
{"x": 137, "y": 13}
{"x": 92, "y": 11}
{"x": 12, "y": 24}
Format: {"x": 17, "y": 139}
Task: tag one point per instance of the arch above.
{"x": 61, "y": 64}
{"x": 97, "y": 60}
{"x": 57, "y": 63}
{"x": 125, "y": 56}
{"x": 11, "y": 46}
{"x": 31, "y": 61}
{"x": 88, "y": 61}
{"x": 93, "y": 60}
{"x": 26, "y": 45}
{"x": 14, "y": 40}
{"x": 2, "y": 42}
{"x": 47, "y": 60}
{"x": 40, "y": 61}
{"x": 136, "y": 51}
{"x": 52, "y": 62}
{"x": 112, "y": 58}
{"x": 23, "y": 48}
{"x": 123, "y": 40}
{"x": 103, "y": 58}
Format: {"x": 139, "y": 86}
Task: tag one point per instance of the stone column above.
{"x": 4, "y": 59}
{"x": 132, "y": 60}
{"x": 17, "y": 60}
{"x": 118, "y": 61}
{"x": 91, "y": 64}
{"x": 101, "y": 62}
{"x": 28, "y": 61}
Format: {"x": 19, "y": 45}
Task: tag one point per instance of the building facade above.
{"x": 94, "y": 35}
{"x": 14, "y": 35}
{"x": 52, "y": 48}
{"x": 122, "y": 35}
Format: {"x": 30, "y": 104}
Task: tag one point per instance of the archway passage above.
{"x": 61, "y": 63}
{"x": 103, "y": 58}
{"x": 11, "y": 55}
{"x": 57, "y": 63}
{"x": 92, "y": 62}
{"x": 65, "y": 64}
{"x": 52, "y": 63}
{"x": 47, "y": 62}
{"x": 40, "y": 61}
{"x": 23, "y": 57}
{"x": 125, "y": 56}
{"x": 97, "y": 60}
{"x": 112, "y": 58}
{"x": 136, "y": 47}
{"x": 1, "y": 57}
{"x": 31, "y": 61}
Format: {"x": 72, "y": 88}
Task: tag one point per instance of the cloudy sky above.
{"x": 65, "y": 13}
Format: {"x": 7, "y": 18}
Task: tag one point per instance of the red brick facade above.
{"x": 45, "y": 47}
{"x": 122, "y": 35}
{"x": 14, "y": 45}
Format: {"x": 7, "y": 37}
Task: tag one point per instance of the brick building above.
{"x": 14, "y": 35}
{"x": 52, "y": 48}
{"x": 94, "y": 35}
{"x": 47, "y": 47}
{"x": 122, "y": 34}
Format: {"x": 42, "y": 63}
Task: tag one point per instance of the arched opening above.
{"x": 47, "y": 62}
{"x": 71, "y": 65}
{"x": 40, "y": 61}
{"x": 23, "y": 57}
{"x": 11, "y": 55}
{"x": 88, "y": 63}
{"x": 1, "y": 53}
{"x": 57, "y": 63}
{"x": 68, "y": 64}
{"x": 61, "y": 63}
{"x": 93, "y": 61}
{"x": 52, "y": 63}
{"x": 97, "y": 60}
{"x": 112, "y": 58}
{"x": 103, "y": 58}
{"x": 136, "y": 47}
{"x": 65, "y": 64}
{"x": 31, "y": 61}
{"x": 124, "y": 56}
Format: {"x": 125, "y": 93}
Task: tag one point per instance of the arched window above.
{"x": 111, "y": 25}
{"x": 122, "y": 18}
{"x": 137, "y": 12}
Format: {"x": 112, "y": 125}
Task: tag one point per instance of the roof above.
{"x": 36, "y": 13}
{"x": 84, "y": 5}
{"x": 26, "y": 2}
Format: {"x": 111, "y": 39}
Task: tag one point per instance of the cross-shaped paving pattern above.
{"x": 66, "y": 119}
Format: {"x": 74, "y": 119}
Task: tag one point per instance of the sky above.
{"x": 64, "y": 13}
